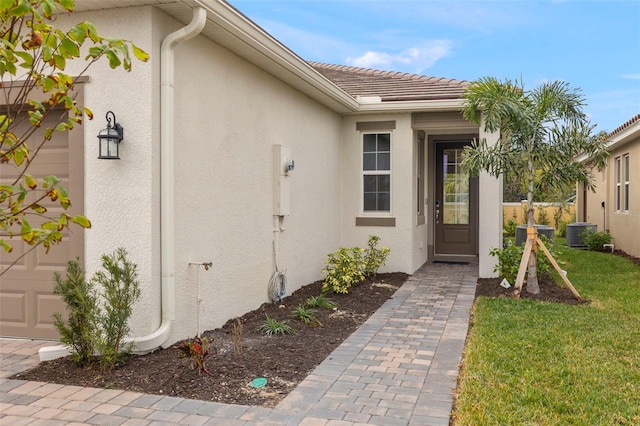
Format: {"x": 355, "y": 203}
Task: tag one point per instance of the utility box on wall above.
{"x": 282, "y": 166}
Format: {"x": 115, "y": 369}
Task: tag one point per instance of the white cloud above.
{"x": 416, "y": 59}
{"x": 631, "y": 76}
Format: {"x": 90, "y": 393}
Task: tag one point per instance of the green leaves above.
{"x": 33, "y": 57}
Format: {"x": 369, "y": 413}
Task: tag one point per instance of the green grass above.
{"x": 534, "y": 363}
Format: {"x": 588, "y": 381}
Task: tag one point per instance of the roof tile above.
{"x": 390, "y": 85}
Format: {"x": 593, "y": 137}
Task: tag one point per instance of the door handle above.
{"x": 437, "y": 211}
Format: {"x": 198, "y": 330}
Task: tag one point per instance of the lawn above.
{"x": 537, "y": 363}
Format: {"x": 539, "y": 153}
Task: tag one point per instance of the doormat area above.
{"x": 450, "y": 262}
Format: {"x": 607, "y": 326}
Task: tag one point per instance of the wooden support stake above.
{"x": 557, "y": 267}
{"x": 523, "y": 267}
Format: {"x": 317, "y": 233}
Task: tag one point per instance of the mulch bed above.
{"x": 283, "y": 360}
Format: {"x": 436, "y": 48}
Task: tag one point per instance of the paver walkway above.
{"x": 399, "y": 368}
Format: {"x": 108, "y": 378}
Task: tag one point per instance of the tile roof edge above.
{"x": 386, "y": 73}
{"x": 625, "y": 125}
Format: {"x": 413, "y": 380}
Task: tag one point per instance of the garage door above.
{"x": 27, "y": 302}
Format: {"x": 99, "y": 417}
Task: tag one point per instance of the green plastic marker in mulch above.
{"x": 258, "y": 382}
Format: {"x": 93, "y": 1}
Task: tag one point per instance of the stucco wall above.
{"x": 624, "y": 226}
{"x": 399, "y": 238}
{"x": 119, "y": 195}
{"x": 229, "y": 114}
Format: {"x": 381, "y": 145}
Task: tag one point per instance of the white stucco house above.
{"x": 212, "y": 124}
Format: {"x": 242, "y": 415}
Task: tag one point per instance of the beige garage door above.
{"x": 27, "y": 302}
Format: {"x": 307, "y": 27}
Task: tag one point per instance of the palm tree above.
{"x": 542, "y": 131}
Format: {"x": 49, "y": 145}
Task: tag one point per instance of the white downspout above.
{"x": 167, "y": 178}
{"x": 167, "y": 175}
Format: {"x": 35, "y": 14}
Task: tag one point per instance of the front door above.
{"x": 456, "y": 203}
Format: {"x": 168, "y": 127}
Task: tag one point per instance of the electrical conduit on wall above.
{"x": 167, "y": 211}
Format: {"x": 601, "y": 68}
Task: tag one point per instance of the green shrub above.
{"x": 510, "y": 256}
{"x": 120, "y": 290}
{"x": 90, "y": 328}
{"x": 272, "y": 326}
{"x": 349, "y": 266}
{"x": 77, "y": 332}
{"x": 344, "y": 268}
{"x": 543, "y": 217}
{"x": 562, "y": 229}
{"x": 321, "y": 301}
{"x": 305, "y": 314}
{"x": 374, "y": 257}
{"x": 595, "y": 240}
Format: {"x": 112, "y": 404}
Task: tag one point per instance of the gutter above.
{"x": 156, "y": 339}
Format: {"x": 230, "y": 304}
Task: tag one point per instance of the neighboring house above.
{"x": 615, "y": 205}
{"x": 210, "y": 123}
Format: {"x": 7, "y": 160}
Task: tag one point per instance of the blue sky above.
{"x": 592, "y": 45}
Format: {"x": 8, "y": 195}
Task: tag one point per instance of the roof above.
{"x": 390, "y": 85}
{"x": 625, "y": 125}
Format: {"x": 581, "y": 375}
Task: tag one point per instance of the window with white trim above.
{"x": 617, "y": 173}
{"x": 626, "y": 183}
{"x": 376, "y": 172}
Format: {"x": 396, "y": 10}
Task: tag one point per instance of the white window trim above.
{"x": 626, "y": 189}
{"x": 363, "y": 172}
{"x": 617, "y": 171}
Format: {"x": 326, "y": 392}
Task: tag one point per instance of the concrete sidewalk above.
{"x": 399, "y": 368}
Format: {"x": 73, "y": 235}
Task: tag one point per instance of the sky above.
{"x": 593, "y": 45}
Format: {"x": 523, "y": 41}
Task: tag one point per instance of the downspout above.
{"x": 167, "y": 175}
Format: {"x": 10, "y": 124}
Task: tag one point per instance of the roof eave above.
{"x": 625, "y": 135}
{"x": 411, "y": 106}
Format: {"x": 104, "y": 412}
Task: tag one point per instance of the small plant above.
{"x": 305, "y": 314}
{"x": 92, "y": 328}
{"x": 77, "y": 332}
{"x": 349, "y": 266}
{"x": 236, "y": 330}
{"x": 374, "y": 257}
{"x": 196, "y": 350}
{"x": 543, "y": 217}
{"x": 595, "y": 240}
{"x": 510, "y": 256}
{"x": 120, "y": 290}
{"x": 321, "y": 301}
{"x": 344, "y": 268}
{"x": 274, "y": 327}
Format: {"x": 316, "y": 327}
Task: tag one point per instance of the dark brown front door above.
{"x": 456, "y": 203}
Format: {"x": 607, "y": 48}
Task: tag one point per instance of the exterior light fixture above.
{"x": 109, "y": 139}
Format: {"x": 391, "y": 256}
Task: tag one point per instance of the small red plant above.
{"x": 197, "y": 350}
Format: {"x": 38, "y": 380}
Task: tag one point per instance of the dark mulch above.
{"x": 283, "y": 361}
{"x": 550, "y": 291}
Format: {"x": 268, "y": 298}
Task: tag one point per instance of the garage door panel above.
{"x": 13, "y": 307}
{"x": 26, "y": 295}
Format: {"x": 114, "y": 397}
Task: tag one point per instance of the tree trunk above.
{"x": 532, "y": 270}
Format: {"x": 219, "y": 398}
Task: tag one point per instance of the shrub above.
{"x": 374, "y": 257}
{"x": 349, "y": 266}
{"x": 510, "y": 256}
{"x": 305, "y": 314}
{"x": 273, "y": 327}
{"x": 562, "y": 229}
{"x": 78, "y": 331}
{"x": 92, "y": 329}
{"x": 196, "y": 350}
{"x": 321, "y": 301}
{"x": 120, "y": 290}
{"x": 509, "y": 227}
{"x": 595, "y": 240}
{"x": 543, "y": 217}
{"x": 344, "y": 268}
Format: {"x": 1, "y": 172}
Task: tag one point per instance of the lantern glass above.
{"x": 109, "y": 139}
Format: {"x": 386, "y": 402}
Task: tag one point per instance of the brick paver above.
{"x": 399, "y": 368}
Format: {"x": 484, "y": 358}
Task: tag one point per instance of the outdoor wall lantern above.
{"x": 109, "y": 139}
